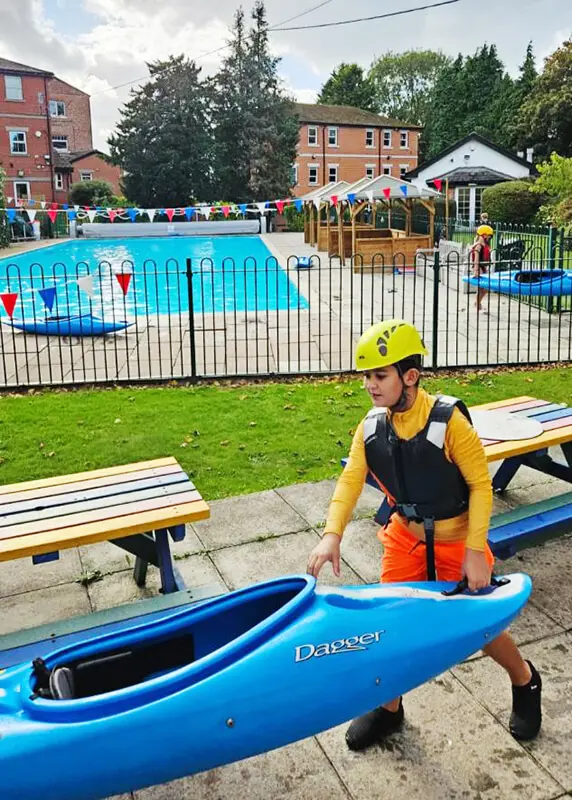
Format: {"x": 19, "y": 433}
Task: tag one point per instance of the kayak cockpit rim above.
{"x": 245, "y": 619}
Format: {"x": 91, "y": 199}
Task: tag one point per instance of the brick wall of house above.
{"x": 29, "y": 117}
{"x": 353, "y": 155}
{"x": 76, "y": 123}
{"x": 100, "y": 171}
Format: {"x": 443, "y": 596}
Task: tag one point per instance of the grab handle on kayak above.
{"x": 463, "y": 585}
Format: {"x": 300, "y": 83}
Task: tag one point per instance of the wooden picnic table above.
{"x": 138, "y": 507}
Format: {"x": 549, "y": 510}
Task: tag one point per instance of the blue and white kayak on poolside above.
{"x": 74, "y": 325}
{"x": 526, "y": 282}
{"x": 229, "y": 678}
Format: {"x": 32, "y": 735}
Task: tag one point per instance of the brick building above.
{"x": 341, "y": 143}
{"x": 45, "y": 136}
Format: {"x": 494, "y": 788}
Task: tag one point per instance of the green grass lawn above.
{"x": 231, "y": 440}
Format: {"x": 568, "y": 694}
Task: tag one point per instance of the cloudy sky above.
{"x": 99, "y": 44}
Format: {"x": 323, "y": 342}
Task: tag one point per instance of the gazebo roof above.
{"x": 326, "y": 191}
{"x": 372, "y": 189}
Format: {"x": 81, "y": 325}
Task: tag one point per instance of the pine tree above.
{"x": 347, "y": 86}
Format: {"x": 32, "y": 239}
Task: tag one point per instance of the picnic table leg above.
{"x": 171, "y": 580}
{"x": 506, "y": 473}
{"x": 140, "y": 571}
{"x": 567, "y": 450}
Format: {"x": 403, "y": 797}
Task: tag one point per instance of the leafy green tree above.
{"x": 403, "y": 83}
{"x": 554, "y": 185}
{"x": 545, "y": 120}
{"x": 512, "y": 201}
{"x": 164, "y": 140}
{"x": 347, "y": 86}
{"x": 91, "y": 193}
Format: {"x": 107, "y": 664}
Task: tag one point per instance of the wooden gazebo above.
{"x": 314, "y": 204}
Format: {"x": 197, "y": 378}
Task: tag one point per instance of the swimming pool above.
{"x": 230, "y": 273}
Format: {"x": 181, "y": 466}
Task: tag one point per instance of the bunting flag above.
{"x": 86, "y": 284}
{"x": 404, "y": 189}
{"x": 71, "y": 214}
{"x": 369, "y": 196}
{"x": 206, "y": 211}
{"x": 189, "y": 213}
{"x": 261, "y": 207}
{"x": 92, "y": 214}
{"x": 9, "y": 199}
{"x": 31, "y": 201}
{"x": 438, "y": 184}
{"x": 112, "y": 214}
{"x": 11, "y": 214}
{"x": 53, "y": 206}
{"x": 280, "y": 205}
{"x": 132, "y": 213}
{"x": 316, "y": 202}
{"x": 170, "y": 212}
{"x": 65, "y": 206}
{"x": 151, "y": 213}
{"x": 298, "y": 204}
{"x": 31, "y": 214}
{"x": 242, "y": 207}
{"x": 334, "y": 199}
{"x": 52, "y": 214}
{"x": 9, "y": 301}
{"x": 123, "y": 278}
{"x": 387, "y": 192}
{"x": 48, "y": 296}
{"x": 351, "y": 198}
{"x": 226, "y": 211}
{"x": 76, "y": 209}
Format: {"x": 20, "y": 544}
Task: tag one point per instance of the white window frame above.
{"x": 368, "y": 132}
{"x": 406, "y": 135}
{"x": 65, "y": 149}
{"x": 19, "y": 92}
{"x": 387, "y": 134}
{"x": 403, "y": 169}
{"x": 335, "y": 168}
{"x": 83, "y": 173}
{"x": 387, "y": 169}
{"x": 23, "y": 152}
{"x": 313, "y": 133}
{"x": 334, "y": 130}
{"x": 294, "y": 174}
{"x": 313, "y": 168}
{"x": 370, "y": 168}
{"x": 57, "y": 104}
{"x": 28, "y": 191}
{"x": 59, "y": 181}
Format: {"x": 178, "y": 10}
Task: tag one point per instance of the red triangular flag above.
{"x": 170, "y": 212}
{"x": 387, "y": 192}
{"x": 112, "y": 214}
{"x": 52, "y": 214}
{"x": 9, "y": 300}
{"x": 53, "y": 206}
{"x": 226, "y": 210}
{"x": 123, "y": 279}
{"x": 438, "y": 184}
{"x": 279, "y": 205}
{"x": 334, "y": 199}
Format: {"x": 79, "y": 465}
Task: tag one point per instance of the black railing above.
{"x": 130, "y": 321}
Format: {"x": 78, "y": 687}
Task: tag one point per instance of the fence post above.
{"x": 436, "y": 273}
{"x": 551, "y": 247}
{"x": 191, "y": 320}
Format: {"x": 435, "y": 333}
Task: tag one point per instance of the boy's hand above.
{"x": 476, "y": 569}
{"x": 327, "y": 550}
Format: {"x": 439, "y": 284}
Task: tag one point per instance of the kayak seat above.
{"x": 62, "y": 684}
{"x": 536, "y": 276}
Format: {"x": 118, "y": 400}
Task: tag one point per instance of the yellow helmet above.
{"x": 485, "y": 230}
{"x": 386, "y": 343}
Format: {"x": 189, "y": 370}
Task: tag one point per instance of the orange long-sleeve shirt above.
{"x": 462, "y": 447}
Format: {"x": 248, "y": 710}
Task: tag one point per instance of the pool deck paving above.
{"x": 455, "y": 742}
{"x": 318, "y": 339}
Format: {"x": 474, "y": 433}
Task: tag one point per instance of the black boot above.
{"x": 373, "y": 726}
{"x": 526, "y": 716}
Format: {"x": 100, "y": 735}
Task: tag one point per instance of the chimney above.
{"x": 529, "y": 153}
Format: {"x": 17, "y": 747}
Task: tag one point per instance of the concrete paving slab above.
{"x": 553, "y": 659}
{"x": 311, "y": 500}
{"x": 362, "y": 550}
{"x": 297, "y": 772}
{"x": 450, "y": 748}
{"x": 42, "y": 606}
{"x": 21, "y": 575}
{"x": 534, "y": 493}
{"x": 283, "y": 555}
{"x": 246, "y": 517}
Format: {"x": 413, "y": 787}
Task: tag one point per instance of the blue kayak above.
{"x": 74, "y": 325}
{"x": 526, "y": 282}
{"x": 229, "y": 678}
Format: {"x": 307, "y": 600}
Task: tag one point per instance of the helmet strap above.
{"x": 401, "y": 404}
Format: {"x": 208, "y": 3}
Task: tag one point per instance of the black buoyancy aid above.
{"x": 416, "y": 472}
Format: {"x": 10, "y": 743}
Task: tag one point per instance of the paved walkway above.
{"x": 455, "y": 743}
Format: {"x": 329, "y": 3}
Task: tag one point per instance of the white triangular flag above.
{"x": 31, "y": 214}
{"x": 76, "y": 209}
{"x": 151, "y": 213}
{"x": 43, "y": 203}
{"x": 317, "y": 202}
{"x": 261, "y": 207}
{"x": 369, "y": 196}
{"x": 92, "y": 214}
{"x": 86, "y": 283}
{"x": 206, "y": 211}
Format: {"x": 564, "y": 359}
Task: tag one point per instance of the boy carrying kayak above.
{"x": 427, "y": 458}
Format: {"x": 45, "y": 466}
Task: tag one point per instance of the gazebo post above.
{"x": 430, "y": 206}
{"x": 341, "y": 242}
{"x": 305, "y": 217}
{"x": 328, "y": 210}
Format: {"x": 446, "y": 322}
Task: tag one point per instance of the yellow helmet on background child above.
{"x": 386, "y": 343}
{"x": 485, "y": 230}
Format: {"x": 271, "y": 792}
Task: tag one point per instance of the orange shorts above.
{"x": 404, "y": 557}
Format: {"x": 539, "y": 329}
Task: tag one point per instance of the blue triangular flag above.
{"x": 31, "y": 202}
{"x": 48, "y": 296}
{"x": 65, "y": 206}
{"x": 132, "y": 212}
{"x": 351, "y": 198}
{"x": 71, "y": 214}
{"x": 298, "y": 204}
{"x": 242, "y": 207}
{"x": 189, "y": 212}
{"x": 11, "y": 214}
{"x": 404, "y": 190}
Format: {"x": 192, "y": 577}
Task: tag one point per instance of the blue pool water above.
{"x": 230, "y": 273}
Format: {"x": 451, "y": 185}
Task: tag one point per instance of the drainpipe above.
{"x": 323, "y": 155}
{"x": 50, "y": 138}
{"x": 379, "y": 152}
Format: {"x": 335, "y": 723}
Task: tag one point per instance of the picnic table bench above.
{"x": 516, "y": 529}
{"x": 139, "y": 507}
